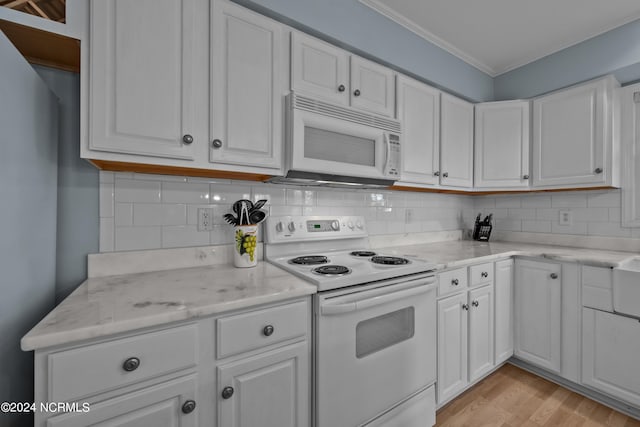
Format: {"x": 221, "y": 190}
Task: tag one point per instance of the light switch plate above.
{"x": 566, "y": 218}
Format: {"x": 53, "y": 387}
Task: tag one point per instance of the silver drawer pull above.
{"x": 131, "y": 364}
{"x": 455, "y": 282}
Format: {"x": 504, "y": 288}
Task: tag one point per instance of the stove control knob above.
{"x": 359, "y": 225}
{"x": 292, "y": 226}
{"x": 350, "y": 225}
{"x": 335, "y": 225}
{"x": 279, "y": 227}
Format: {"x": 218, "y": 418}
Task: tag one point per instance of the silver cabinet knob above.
{"x": 465, "y": 306}
{"x": 187, "y": 139}
{"x": 455, "y": 282}
{"x": 356, "y": 92}
{"x": 598, "y": 170}
{"x": 268, "y": 330}
{"x": 475, "y": 303}
{"x": 525, "y": 176}
{"x": 216, "y": 143}
{"x": 341, "y": 88}
{"x": 188, "y": 406}
{"x": 227, "y": 392}
{"x": 484, "y": 274}
{"x": 553, "y": 276}
{"x": 445, "y": 175}
{"x": 131, "y": 364}
{"x": 436, "y": 173}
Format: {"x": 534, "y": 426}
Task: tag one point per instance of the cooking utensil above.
{"x": 230, "y": 219}
{"x": 257, "y": 216}
{"x": 237, "y": 206}
{"x": 259, "y": 204}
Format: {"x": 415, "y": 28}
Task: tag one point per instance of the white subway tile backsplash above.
{"x": 564, "y": 200}
{"x": 522, "y": 213}
{"x": 284, "y": 210}
{"x": 375, "y": 199}
{"x": 221, "y": 235}
{"x": 615, "y": 215}
{"x": 300, "y": 197}
{"x": 124, "y": 214}
{"x": 106, "y": 199}
{"x": 185, "y": 192}
{"x": 137, "y": 238}
{"x": 275, "y": 194}
{"x": 575, "y": 228}
{"x": 529, "y": 201}
{"x": 132, "y": 191}
{"x": 229, "y": 193}
{"x": 607, "y": 199}
{"x": 610, "y": 229}
{"x": 107, "y": 231}
{"x": 154, "y": 177}
{"x": 508, "y": 224}
{"x": 590, "y": 214}
{"x": 484, "y": 202}
{"x": 180, "y": 236}
{"x": 164, "y": 214}
{"x": 536, "y": 226}
{"x": 548, "y": 214}
{"x": 508, "y": 202}
{"x": 106, "y": 177}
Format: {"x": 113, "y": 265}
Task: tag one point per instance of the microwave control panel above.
{"x": 392, "y": 167}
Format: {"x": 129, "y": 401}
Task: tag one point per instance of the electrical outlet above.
{"x": 566, "y": 218}
{"x": 205, "y": 219}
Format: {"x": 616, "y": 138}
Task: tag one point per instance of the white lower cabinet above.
{"x": 171, "y": 376}
{"x": 465, "y": 339}
{"x": 503, "y": 310}
{"x": 610, "y": 349}
{"x": 538, "y": 320}
{"x": 170, "y": 404}
{"x": 269, "y": 389}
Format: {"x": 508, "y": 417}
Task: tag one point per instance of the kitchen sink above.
{"x": 626, "y": 287}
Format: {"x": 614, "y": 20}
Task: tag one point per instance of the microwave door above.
{"x": 329, "y": 145}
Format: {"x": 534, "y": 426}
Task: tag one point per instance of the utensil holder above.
{"x": 245, "y": 243}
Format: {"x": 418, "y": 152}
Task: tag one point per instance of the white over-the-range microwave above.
{"x": 330, "y": 144}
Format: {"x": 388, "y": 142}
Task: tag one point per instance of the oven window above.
{"x": 338, "y": 147}
{"x": 384, "y": 331}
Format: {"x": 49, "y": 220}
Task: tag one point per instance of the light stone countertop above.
{"x": 109, "y": 305}
{"x": 464, "y": 252}
{"x": 114, "y": 304}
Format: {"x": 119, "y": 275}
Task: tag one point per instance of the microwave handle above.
{"x": 387, "y": 145}
{"x": 348, "y": 307}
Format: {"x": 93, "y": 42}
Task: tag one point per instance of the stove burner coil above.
{"x": 362, "y": 253}
{"x": 332, "y": 270}
{"x": 389, "y": 260}
{"x": 309, "y": 260}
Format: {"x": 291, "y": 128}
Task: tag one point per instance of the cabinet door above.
{"x": 319, "y": 69}
{"x": 504, "y": 310}
{"x": 372, "y": 87}
{"x": 481, "y": 347}
{"x": 630, "y": 98}
{"x": 269, "y": 390}
{"x": 246, "y": 95}
{"x": 452, "y": 346}
{"x": 610, "y": 348}
{"x": 419, "y": 112}
{"x": 570, "y": 136}
{"x": 502, "y": 144}
{"x": 157, "y": 406}
{"x": 538, "y": 293}
{"x": 456, "y": 141}
{"x": 142, "y": 77}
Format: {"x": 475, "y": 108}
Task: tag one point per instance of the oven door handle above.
{"x": 329, "y": 309}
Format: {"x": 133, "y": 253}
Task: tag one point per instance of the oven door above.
{"x": 324, "y": 144}
{"x": 375, "y": 346}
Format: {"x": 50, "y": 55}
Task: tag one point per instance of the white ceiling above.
{"x": 499, "y": 35}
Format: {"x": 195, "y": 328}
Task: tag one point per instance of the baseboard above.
{"x": 577, "y": 388}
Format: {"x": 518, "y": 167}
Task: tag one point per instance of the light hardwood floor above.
{"x": 512, "y": 397}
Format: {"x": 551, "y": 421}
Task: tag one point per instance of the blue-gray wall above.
{"x": 616, "y": 51}
{"x": 359, "y": 28}
{"x": 78, "y": 211}
{"x": 28, "y": 191}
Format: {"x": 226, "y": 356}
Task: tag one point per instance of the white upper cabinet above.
{"x": 419, "y": 112}
{"x": 319, "y": 68}
{"x": 143, "y": 79}
{"x": 502, "y": 144}
{"x": 247, "y": 88}
{"x": 575, "y": 136}
{"x": 456, "y": 142}
{"x": 372, "y": 87}
{"x": 327, "y": 72}
{"x": 630, "y": 99}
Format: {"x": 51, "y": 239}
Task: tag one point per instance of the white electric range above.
{"x": 374, "y": 322}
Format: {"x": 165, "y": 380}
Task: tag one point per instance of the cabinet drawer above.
{"x": 86, "y": 371}
{"x": 255, "y": 329}
{"x": 481, "y": 273}
{"x": 451, "y": 281}
{"x": 597, "y": 288}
